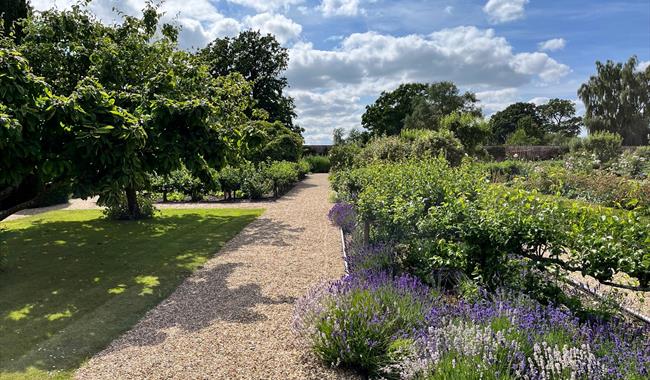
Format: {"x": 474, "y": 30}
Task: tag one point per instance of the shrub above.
{"x": 230, "y": 179}
{"x": 606, "y": 146}
{"x": 364, "y": 321}
{"x": 180, "y": 181}
{"x": 255, "y": 182}
{"x": 282, "y": 175}
{"x": 520, "y": 138}
{"x": 344, "y": 156}
{"x": 392, "y": 149}
{"x": 302, "y": 167}
{"x": 439, "y": 143}
{"x": 472, "y": 131}
{"x": 318, "y": 164}
{"x": 116, "y": 207}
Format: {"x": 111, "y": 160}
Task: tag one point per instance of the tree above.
{"x": 517, "y": 115}
{"x": 441, "y": 99}
{"x": 560, "y": 117}
{"x": 617, "y": 100}
{"x": 13, "y": 11}
{"x": 189, "y": 117}
{"x": 274, "y": 141}
{"x": 261, "y": 60}
{"x": 386, "y": 116}
{"x": 48, "y": 141}
{"x": 471, "y": 130}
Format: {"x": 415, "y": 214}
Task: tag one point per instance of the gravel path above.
{"x": 232, "y": 318}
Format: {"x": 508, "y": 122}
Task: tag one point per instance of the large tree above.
{"x": 617, "y": 99}
{"x": 49, "y": 142}
{"x": 441, "y": 99}
{"x": 13, "y": 11}
{"x": 560, "y": 117}
{"x": 386, "y": 116}
{"x": 189, "y": 117}
{"x": 520, "y": 115}
{"x": 261, "y": 60}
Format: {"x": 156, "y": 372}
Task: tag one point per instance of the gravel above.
{"x": 232, "y": 318}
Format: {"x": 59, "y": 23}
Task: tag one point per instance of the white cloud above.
{"x": 552, "y": 44}
{"x": 500, "y": 11}
{"x": 283, "y": 28}
{"x": 339, "y": 7}
{"x": 496, "y": 100}
{"x": 449, "y": 9}
{"x": 332, "y": 87}
{"x": 267, "y": 5}
{"x": 643, "y": 65}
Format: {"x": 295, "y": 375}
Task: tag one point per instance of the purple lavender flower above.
{"x": 343, "y": 215}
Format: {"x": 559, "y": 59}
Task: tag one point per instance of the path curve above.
{"x": 232, "y": 318}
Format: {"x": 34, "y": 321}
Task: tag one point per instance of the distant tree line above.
{"x": 617, "y": 100}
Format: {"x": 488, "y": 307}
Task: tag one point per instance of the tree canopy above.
{"x": 261, "y": 60}
{"x": 560, "y": 117}
{"x": 123, "y": 102}
{"x": 386, "y": 116}
{"x": 13, "y": 11}
{"x": 617, "y": 100}
{"x": 520, "y": 115}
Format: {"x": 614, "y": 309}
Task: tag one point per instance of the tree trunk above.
{"x": 132, "y": 203}
{"x": 164, "y": 196}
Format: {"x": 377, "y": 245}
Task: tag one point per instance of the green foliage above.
{"x": 117, "y": 208}
{"x": 343, "y": 155}
{"x": 471, "y": 130}
{"x": 13, "y": 12}
{"x": 604, "y": 145}
{"x": 386, "y": 116}
{"x": 318, "y": 164}
{"x": 230, "y": 179}
{"x": 617, "y": 100}
{"x": 275, "y": 142}
{"x": 134, "y": 104}
{"x": 261, "y": 60}
{"x": 517, "y": 115}
{"x": 439, "y": 143}
{"x": 441, "y": 99}
{"x": 520, "y": 138}
{"x": 255, "y": 182}
{"x": 183, "y": 182}
{"x": 282, "y": 175}
{"x": 454, "y": 218}
{"x": 560, "y": 117}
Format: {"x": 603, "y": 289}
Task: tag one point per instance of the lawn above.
{"x": 75, "y": 281}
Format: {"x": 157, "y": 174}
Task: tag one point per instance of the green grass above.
{"x": 74, "y": 281}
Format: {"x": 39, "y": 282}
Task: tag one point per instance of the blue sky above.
{"x": 343, "y": 53}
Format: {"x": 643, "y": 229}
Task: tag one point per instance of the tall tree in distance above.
{"x": 524, "y": 116}
{"x": 13, "y": 11}
{"x": 261, "y": 60}
{"x": 386, "y": 116}
{"x": 560, "y": 117}
{"x": 441, "y": 99}
{"x": 617, "y": 99}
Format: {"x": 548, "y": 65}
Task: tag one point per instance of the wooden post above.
{"x": 366, "y": 232}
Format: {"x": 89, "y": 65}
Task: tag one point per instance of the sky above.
{"x": 344, "y": 53}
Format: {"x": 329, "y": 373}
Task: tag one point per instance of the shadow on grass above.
{"x": 74, "y": 282}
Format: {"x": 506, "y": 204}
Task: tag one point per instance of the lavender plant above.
{"x": 343, "y": 215}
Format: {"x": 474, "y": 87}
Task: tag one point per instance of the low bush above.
{"x": 230, "y": 179}
{"x": 365, "y": 321}
{"x": 318, "y": 164}
{"x": 343, "y": 215}
{"x": 180, "y": 181}
{"x": 396, "y": 328}
{"x": 282, "y": 174}
{"x": 255, "y": 181}
{"x": 116, "y": 207}
{"x": 605, "y": 146}
{"x": 303, "y": 168}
